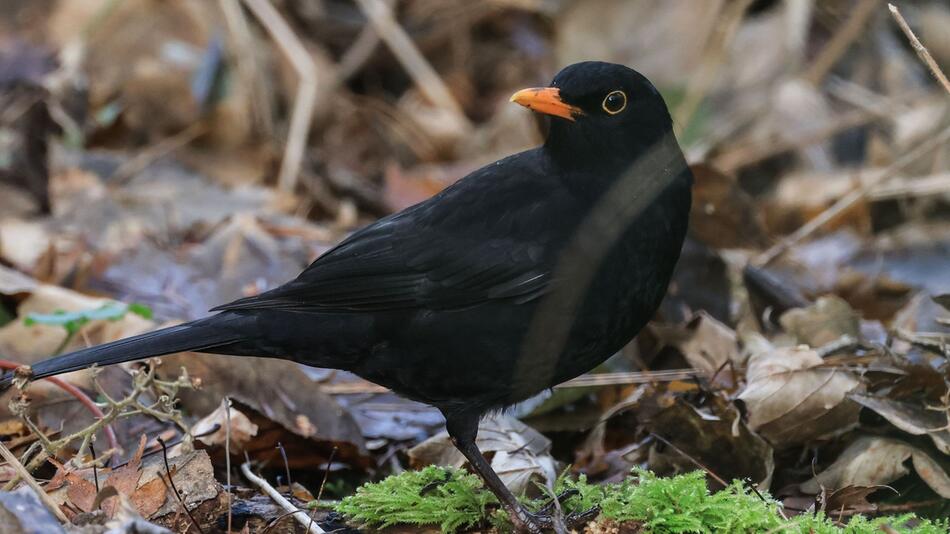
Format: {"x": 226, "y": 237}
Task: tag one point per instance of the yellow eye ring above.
{"x": 614, "y": 102}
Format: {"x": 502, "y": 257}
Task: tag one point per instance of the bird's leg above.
{"x": 463, "y": 431}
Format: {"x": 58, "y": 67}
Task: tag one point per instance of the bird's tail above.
{"x": 203, "y": 334}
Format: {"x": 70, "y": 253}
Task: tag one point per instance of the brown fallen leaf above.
{"x": 284, "y": 404}
{"x": 827, "y": 320}
{"x": 520, "y": 453}
{"x": 80, "y": 492}
{"x": 851, "y": 497}
{"x": 723, "y": 215}
{"x": 913, "y": 419}
{"x": 874, "y": 461}
{"x": 124, "y": 479}
{"x": 791, "y": 400}
{"x": 719, "y": 441}
{"x": 706, "y": 343}
{"x": 149, "y": 497}
{"x": 241, "y": 428}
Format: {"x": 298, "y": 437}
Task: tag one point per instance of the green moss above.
{"x": 448, "y": 497}
{"x": 454, "y": 499}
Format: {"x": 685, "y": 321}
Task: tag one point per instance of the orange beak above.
{"x": 546, "y": 100}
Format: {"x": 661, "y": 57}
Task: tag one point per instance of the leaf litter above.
{"x": 150, "y": 178}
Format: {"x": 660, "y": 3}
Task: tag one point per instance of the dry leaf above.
{"x": 851, "y": 497}
{"x": 825, "y": 321}
{"x": 242, "y": 429}
{"x": 723, "y": 215}
{"x": 791, "y": 400}
{"x": 721, "y": 443}
{"x": 912, "y": 419}
{"x": 284, "y": 404}
{"x": 149, "y": 497}
{"x": 874, "y": 461}
{"x": 80, "y": 492}
{"x": 521, "y": 454}
{"x": 124, "y": 479}
{"x": 709, "y": 344}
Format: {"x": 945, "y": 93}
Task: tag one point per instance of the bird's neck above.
{"x": 592, "y": 169}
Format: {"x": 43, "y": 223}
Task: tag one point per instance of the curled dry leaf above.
{"x": 721, "y": 442}
{"x": 147, "y": 498}
{"x": 851, "y": 497}
{"x": 125, "y": 479}
{"x": 827, "y": 320}
{"x": 706, "y": 343}
{"x": 791, "y": 399}
{"x": 285, "y": 405}
{"x": 520, "y": 453}
{"x": 874, "y": 461}
{"x": 242, "y": 429}
{"x": 911, "y": 418}
{"x": 149, "y": 495}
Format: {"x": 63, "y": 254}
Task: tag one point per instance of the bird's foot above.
{"x": 549, "y": 517}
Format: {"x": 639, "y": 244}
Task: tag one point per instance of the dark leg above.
{"x": 463, "y": 430}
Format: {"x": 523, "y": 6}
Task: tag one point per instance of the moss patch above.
{"x": 454, "y": 499}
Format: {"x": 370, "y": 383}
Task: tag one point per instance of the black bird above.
{"x": 525, "y": 273}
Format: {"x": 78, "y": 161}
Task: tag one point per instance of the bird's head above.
{"x": 600, "y": 111}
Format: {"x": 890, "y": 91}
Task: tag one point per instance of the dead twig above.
{"x": 422, "y": 73}
{"x": 227, "y": 453}
{"x": 357, "y": 54}
{"x": 265, "y": 486}
{"x": 306, "y": 96}
{"x": 918, "y": 47}
{"x": 79, "y": 395}
{"x": 724, "y": 30}
{"x": 247, "y": 64}
{"x": 146, "y": 157}
{"x": 845, "y": 202}
{"x": 839, "y": 43}
{"x": 694, "y": 461}
{"x": 30, "y": 481}
{"x": 583, "y": 381}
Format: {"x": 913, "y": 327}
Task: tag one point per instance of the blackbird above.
{"x": 525, "y": 273}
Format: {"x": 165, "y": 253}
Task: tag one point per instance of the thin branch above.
{"x": 146, "y": 157}
{"x": 299, "y": 515}
{"x": 247, "y": 64}
{"x": 80, "y": 396}
{"x": 25, "y": 475}
{"x": 921, "y": 50}
{"x": 227, "y": 452}
{"x": 839, "y": 43}
{"x": 422, "y": 73}
{"x": 306, "y": 96}
{"x": 726, "y": 26}
{"x": 851, "y": 198}
{"x": 694, "y": 461}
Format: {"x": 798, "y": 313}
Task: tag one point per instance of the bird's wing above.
{"x": 487, "y": 237}
{"x": 393, "y": 265}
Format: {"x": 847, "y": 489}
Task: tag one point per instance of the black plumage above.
{"x": 525, "y": 273}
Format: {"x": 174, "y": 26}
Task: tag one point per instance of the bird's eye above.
{"x": 615, "y": 102}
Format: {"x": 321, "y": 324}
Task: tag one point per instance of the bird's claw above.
{"x": 549, "y": 508}
{"x": 548, "y": 517}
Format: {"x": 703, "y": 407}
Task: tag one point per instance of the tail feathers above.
{"x": 199, "y": 335}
